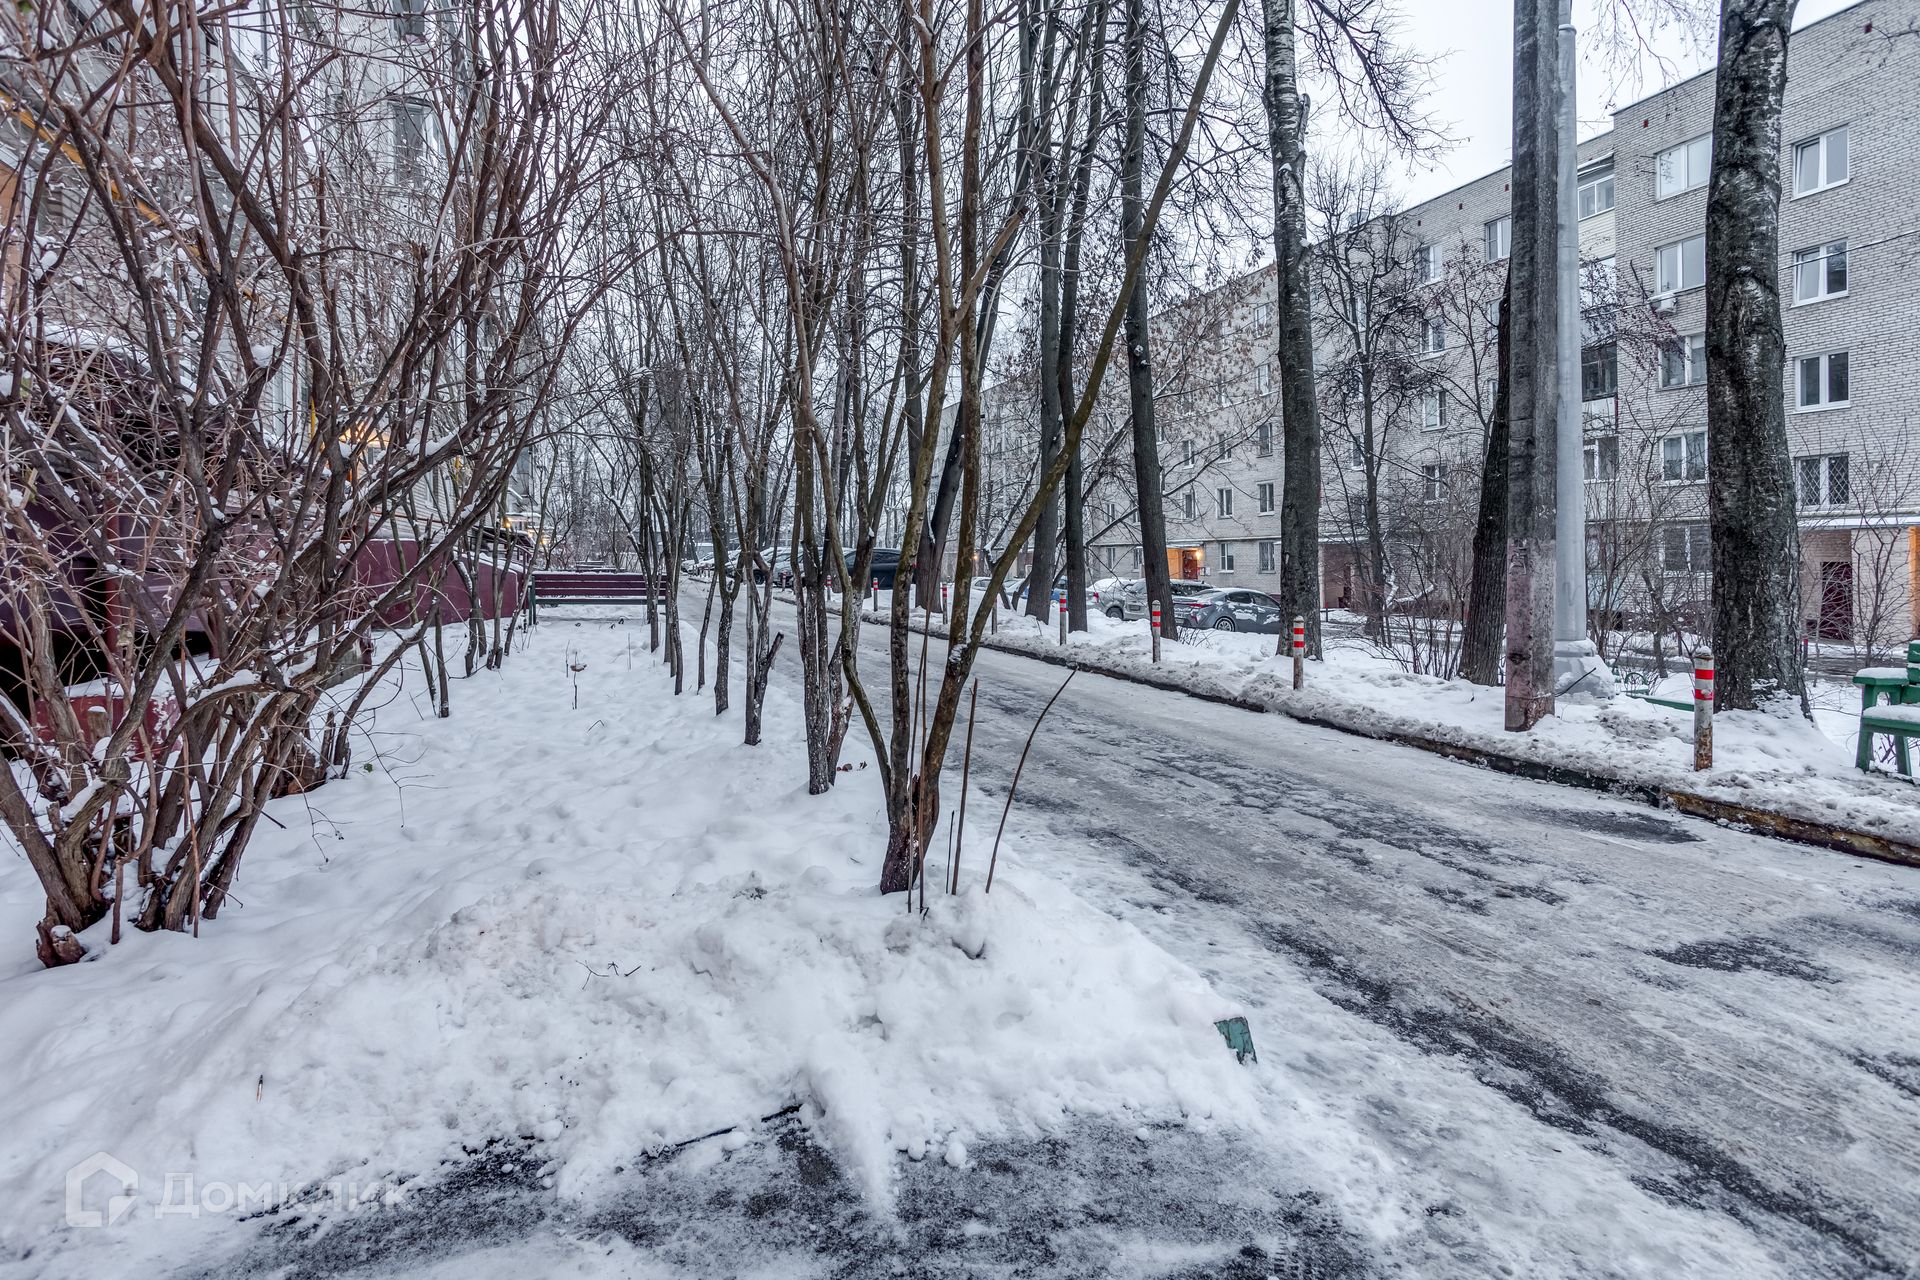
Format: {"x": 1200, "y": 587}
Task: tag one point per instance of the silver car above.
{"x": 1129, "y": 604}
{"x": 1229, "y": 609}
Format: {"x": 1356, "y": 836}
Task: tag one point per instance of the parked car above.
{"x": 1229, "y": 609}
{"x": 1130, "y": 603}
{"x": 884, "y": 569}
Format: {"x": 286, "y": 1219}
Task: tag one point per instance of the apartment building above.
{"x": 1850, "y": 290}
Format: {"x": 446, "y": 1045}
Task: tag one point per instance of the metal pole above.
{"x": 1156, "y": 632}
{"x": 1577, "y": 669}
{"x": 1703, "y": 710}
{"x": 1299, "y": 651}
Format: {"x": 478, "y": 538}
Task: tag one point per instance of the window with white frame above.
{"x": 1356, "y": 456}
{"x": 1819, "y": 163}
{"x": 1433, "y": 481}
{"x": 1683, "y": 457}
{"x": 1139, "y": 556}
{"x": 1596, "y": 192}
{"x": 1683, "y": 168}
{"x": 1222, "y": 396}
{"x": 1266, "y": 497}
{"x": 410, "y": 132}
{"x": 1223, "y": 502}
{"x": 1262, "y": 316}
{"x": 1433, "y": 335}
{"x": 1226, "y": 446}
{"x": 1499, "y": 239}
{"x": 1820, "y": 272}
{"x": 1426, "y": 263}
{"x": 1188, "y": 504}
{"x": 1599, "y": 371}
{"x": 1686, "y": 548}
{"x": 410, "y": 19}
{"x": 1263, "y": 439}
{"x": 1263, "y": 378}
{"x": 1268, "y": 561}
{"x": 1680, "y": 265}
{"x": 1226, "y": 557}
{"x": 1602, "y": 459}
{"x": 1683, "y": 361}
{"x": 1186, "y": 452}
{"x": 1825, "y": 480}
{"x": 1433, "y": 410}
{"x": 1821, "y": 381}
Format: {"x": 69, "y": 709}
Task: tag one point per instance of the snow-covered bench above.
{"x": 1898, "y": 716}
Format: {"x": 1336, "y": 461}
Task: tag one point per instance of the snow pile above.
{"x": 1780, "y": 763}
{"x": 608, "y": 931}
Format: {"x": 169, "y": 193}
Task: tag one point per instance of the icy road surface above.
{"x": 1514, "y": 980}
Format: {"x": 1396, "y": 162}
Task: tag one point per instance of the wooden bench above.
{"x": 1890, "y": 705}
{"x": 556, "y": 586}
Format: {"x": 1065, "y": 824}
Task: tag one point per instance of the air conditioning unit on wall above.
{"x": 1663, "y": 305}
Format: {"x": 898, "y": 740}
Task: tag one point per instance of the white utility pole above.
{"x": 1577, "y": 669}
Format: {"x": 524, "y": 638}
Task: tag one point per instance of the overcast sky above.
{"x": 1473, "y": 90}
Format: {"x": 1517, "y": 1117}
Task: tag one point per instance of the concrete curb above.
{"x": 1865, "y": 844}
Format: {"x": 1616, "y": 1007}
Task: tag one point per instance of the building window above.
{"x": 1825, "y": 481}
{"x": 1222, "y": 396}
{"x": 1599, "y": 371}
{"x": 1263, "y": 439}
{"x": 1683, "y": 168}
{"x": 1139, "y": 557}
{"x": 1187, "y": 504}
{"x": 1686, "y": 548}
{"x": 1266, "y": 497}
{"x": 1433, "y": 481}
{"x": 1433, "y": 410}
{"x": 1681, "y": 265}
{"x": 1186, "y": 452}
{"x": 1596, "y": 193}
{"x": 1683, "y": 457}
{"x": 1820, "y": 272}
{"x": 410, "y": 19}
{"x": 1263, "y": 378}
{"x": 1356, "y": 456}
{"x": 1426, "y": 263}
{"x": 1433, "y": 336}
{"x": 1262, "y": 316}
{"x": 1683, "y": 361}
{"x": 1267, "y": 558}
{"x": 1499, "y": 235}
{"x": 1602, "y": 459}
{"x": 1226, "y": 557}
{"x": 409, "y": 138}
{"x": 1226, "y": 446}
{"x": 1822, "y": 380}
{"x": 1819, "y": 163}
{"x": 1223, "y": 500}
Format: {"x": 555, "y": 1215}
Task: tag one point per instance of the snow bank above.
{"x": 1780, "y": 763}
{"x": 608, "y": 931}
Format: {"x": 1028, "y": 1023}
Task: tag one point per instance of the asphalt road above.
{"x": 1733, "y": 1022}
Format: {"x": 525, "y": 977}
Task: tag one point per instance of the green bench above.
{"x": 1890, "y": 705}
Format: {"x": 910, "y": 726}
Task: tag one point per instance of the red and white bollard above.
{"x": 1063, "y": 622}
{"x": 1703, "y": 710}
{"x": 876, "y": 593}
{"x": 943, "y": 599}
{"x": 1156, "y": 631}
{"x": 1299, "y": 651}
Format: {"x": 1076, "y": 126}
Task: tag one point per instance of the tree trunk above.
{"x": 1487, "y": 589}
{"x": 1750, "y": 488}
{"x": 1146, "y": 442}
{"x": 1299, "y": 592}
{"x": 1534, "y": 319}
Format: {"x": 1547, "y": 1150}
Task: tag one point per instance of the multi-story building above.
{"x": 1406, "y": 442}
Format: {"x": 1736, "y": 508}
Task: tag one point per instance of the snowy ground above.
{"x": 1504, "y": 1029}
{"x": 1777, "y": 763}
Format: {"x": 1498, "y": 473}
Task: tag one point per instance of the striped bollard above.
{"x": 1299, "y": 651}
{"x": 943, "y": 599}
{"x": 1156, "y": 631}
{"x": 876, "y": 593}
{"x": 1703, "y": 710}
{"x": 1063, "y": 622}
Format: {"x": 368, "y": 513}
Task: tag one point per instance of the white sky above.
{"x": 1472, "y": 91}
